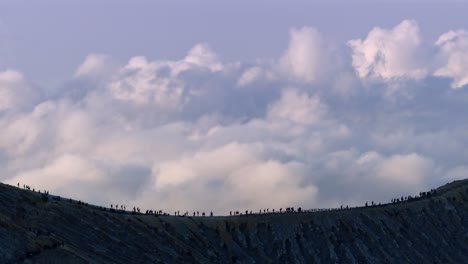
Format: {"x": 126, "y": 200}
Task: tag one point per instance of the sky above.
{"x": 234, "y": 105}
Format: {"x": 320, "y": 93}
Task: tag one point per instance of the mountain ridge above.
{"x": 40, "y": 228}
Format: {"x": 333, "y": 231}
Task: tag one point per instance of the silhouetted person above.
{"x": 230, "y": 213}
{"x": 211, "y": 213}
{"x": 18, "y": 184}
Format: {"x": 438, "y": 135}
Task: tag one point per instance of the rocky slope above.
{"x": 37, "y": 228}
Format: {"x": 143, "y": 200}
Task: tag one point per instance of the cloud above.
{"x": 251, "y": 75}
{"x": 161, "y": 84}
{"x": 65, "y": 170}
{"x": 199, "y": 133}
{"x": 454, "y": 52}
{"x": 306, "y": 58}
{"x": 15, "y": 91}
{"x": 138, "y": 82}
{"x": 95, "y": 66}
{"x": 404, "y": 170}
{"x": 237, "y": 172}
{"x": 202, "y": 56}
{"x": 390, "y": 54}
{"x": 18, "y": 135}
{"x": 207, "y": 164}
{"x": 298, "y": 107}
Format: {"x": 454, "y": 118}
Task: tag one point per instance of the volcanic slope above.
{"x": 38, "y": 228}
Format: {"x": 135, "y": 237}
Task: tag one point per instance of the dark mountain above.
{"x": 38, "y": 228}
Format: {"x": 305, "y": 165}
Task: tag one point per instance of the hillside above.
{"x": 38, "y": 228}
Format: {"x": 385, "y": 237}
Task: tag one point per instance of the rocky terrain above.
{"x": 38, "y": 228}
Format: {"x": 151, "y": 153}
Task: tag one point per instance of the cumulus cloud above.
{"x": 454, "y": 51}
{"x": 390, "y": 54}
{"x": 138, "y": 82}
{"x": 404, "y": 170}
{"x": 199, "y": 133}
{"x": 66, "y": 170}
{"x": 213, "y": 164}
{"x": 15, "y": 91}
{"x": 306, "y": 57}
{"x": 202, "y": 56}
{"x": 298, "y": 107}
{"x": 95, "y": 66}
{"x": 159, "y": 84}
{"x": 254, "y": 74}
{"x": 239, "y": 173}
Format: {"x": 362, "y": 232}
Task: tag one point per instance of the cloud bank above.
{"x": 388, "y": 54}
{"x": 313, "y": 127}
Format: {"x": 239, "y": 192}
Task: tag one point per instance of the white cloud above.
{"x": 298, "y": 107}
{"x": 63, "y": 171}
{"x": 306, "y": 58}
{"x": 390, "y": 54}
{"x": 406, "y": 170}
{"x": 160, "y": 83}
{"x": 18, "y": 135}
{"x": 202, "y": 56}
{"x": 207, "y": 164}
{"x": 182, "y": 132}
{"x": 95, "y": 66}
{"x": 15, "y": 92}
{"x": 22, "y": 133}
{"x": 139, "y": 83}
{"x": 250, "y": 75}
{"x": 199, "y": 57}
{"x": 242, "y": 177}
{"x": 454, "y": 51}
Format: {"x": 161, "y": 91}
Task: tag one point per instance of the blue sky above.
{"x": 62, "y": 33}
{"x": 263, "y": 103}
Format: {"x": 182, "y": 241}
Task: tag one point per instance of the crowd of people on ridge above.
{"x": 116, "y": 208}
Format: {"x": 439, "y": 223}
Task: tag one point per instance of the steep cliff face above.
{"x": 39, "y": 229}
